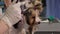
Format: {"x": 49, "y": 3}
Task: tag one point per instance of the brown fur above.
{"x": 32, "y": 16}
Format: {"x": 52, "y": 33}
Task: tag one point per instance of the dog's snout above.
{"x": 38, "y": 22}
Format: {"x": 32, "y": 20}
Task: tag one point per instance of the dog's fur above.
{"x": 32, "y": 14}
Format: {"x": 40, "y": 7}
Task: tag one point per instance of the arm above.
{"x": 7, "y": 2}
{"x": 3, "y": 27}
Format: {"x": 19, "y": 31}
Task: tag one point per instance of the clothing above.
{"x": 13, "y": 12}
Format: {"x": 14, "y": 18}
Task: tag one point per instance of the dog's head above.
{"x": 33, "y": 12}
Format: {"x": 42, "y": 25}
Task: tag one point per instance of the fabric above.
{"x": 11, "y": 17}
{"x": 53, "y": 8}
{"x": 13, "y": 12}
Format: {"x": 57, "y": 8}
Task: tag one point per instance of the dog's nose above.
{"x": 38, "y": 22}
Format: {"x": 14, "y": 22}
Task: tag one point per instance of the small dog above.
{"x": 32, "y": 14}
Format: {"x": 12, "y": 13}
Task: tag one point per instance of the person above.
{"x": 7, "y": 2}
{"x": 3, "y": 26}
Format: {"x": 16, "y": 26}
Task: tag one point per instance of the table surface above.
{"x": 47, "y": 27}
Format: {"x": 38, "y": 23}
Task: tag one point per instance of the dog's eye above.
{"x": 38, "y": 4}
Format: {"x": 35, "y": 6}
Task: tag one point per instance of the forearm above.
{"x": 3, "y": 27}
{"x": 7, "y": 2}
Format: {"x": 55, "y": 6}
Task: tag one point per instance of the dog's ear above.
{"x": 26, "y": 13}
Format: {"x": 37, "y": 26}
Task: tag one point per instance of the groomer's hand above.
{"x": 7, "y": 2}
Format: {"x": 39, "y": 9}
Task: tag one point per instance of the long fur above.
{"x": 32, "y": 13}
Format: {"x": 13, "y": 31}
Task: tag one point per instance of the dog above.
{"x": 32, "y": 14}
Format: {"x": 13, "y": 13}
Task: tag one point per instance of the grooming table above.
{"x": 45, "y": 28}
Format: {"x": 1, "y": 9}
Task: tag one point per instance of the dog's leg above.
{"x": 31, "y": 30}
{"x": 34, "y": 29}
